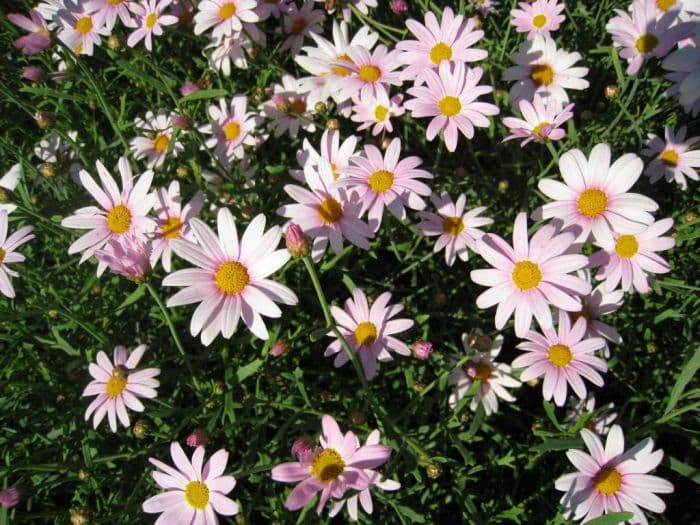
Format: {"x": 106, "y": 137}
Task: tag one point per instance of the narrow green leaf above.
{"x": 690, "y": 472}
{"x": 204, "y": 94}
{"x": 248, "y": 370}
{"x": 549, "y": 410}
{"x": 558, "y": 444}
{"x": 683, "y": 379}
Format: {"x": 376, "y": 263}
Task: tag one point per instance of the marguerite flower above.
{"x": 485, "y": 6}
{"x": 611, "y": 479}
{"x": 192, "y": 494}
{"x": 628, "y": 258}
{"x": 450, "y": 97}
{"x": 595, "y": 196}
{"x": 338, "y": 464}
{"x": 287, "y": 108}
{"x": 8, "y": 253}
{"x": 81, "y": 29}
{"x": 530, "y": 276}
{"x": 118, "y": 385}
{"x": 225, "y": 16}
{"x": 8, "y": 183}
{"x": 230, "y": 280}
{"x": 149, "y": 21}
{"x": 232, "y": 129}
{"x": 562, "y": 356}
{"x": 541, "y": 121}
{"x": 596, "y": 304}
{"x": 367, "y": 71}
{"x": 38, "y": 38}
{"x": 494, "y": 377}
{"x": 330, "y": 149}
{"x": 128, "y": 256}
{"x": 300, "y": 23}
{"x": 376, "y": 110}
{"x": 155, "y": 146}
{"x": 229, "y": 50}
{"x": 543, "y": 70}
{"x": 674, "y": 161}
{"x": 457, "y": 228}
{"x": 368, "y": 331}
{"x": 537, "y": 18}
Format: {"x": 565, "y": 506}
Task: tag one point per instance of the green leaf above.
{"x": 549, "y": 410}
{"x": 612, "y": 518}
{"x": 683, "y": 379}
{"x": 248, "y": 370}
{"x": 132, "y": 298}
{"x": 204, "y": 94}
{"x": 690, "y": 472}
{"x": 557, "y": 444}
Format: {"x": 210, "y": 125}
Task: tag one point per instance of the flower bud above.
{"x": 181, "y": 122}
{"x": 398, "y": 6}
{"x": 298, "y": 244}
{"x": 434, "y": 471}
{"x": 33, "y": 73}
{"x": 303, "y": 448}
{"x": 217, "y": 387}
{"x": 422, "y": 349}
{"x": 83, "y": 475}
{"x": 320, "y": 107}
{"x": 80, "y": 516}
{"x": 611, "y": 92}
{"x": 198, "y": 438}
{"x": 503, "y": 186}
{"x": 279, "y": 348}
{"x": 47, "y": 169}
{"x": 182, "y": 171}
{"x": 332, "y": 123}
{"x": 42, "y": 119}
{"x": 10, "y": 497}
{"x": 114, "y": 43}
{"x": 141, "y": 428}
{"x": 188, "y": 89}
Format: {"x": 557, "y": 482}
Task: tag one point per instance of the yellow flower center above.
{"x": 452, "y": 226}
{"x": 151, "y": 20}
{"x": 341, "y": 71}
{"x": 626, "y": 246}
{"x": 42, "y": 31}
{"x": 161, "y": 143}
{"x": 537, "y": 129}
{"x": 665, "y": 5}
{"x": 646, "y": 43}
{"x": 226, "y": 11}
{"x": 2, "y": 255}
{"x": 197, "y": 495}
{"x": 482, "y": 371}
{"x": 114, "y": 2}
{"x": 381, "y": 181}
{"x": 539, "y": 21}
{"x": 526, "y": 275}
{"x": 330, "y": 211}
{"x": 365, "y": 333}
{"x": 592, "y": 203}
{"x": 449, "y": 106}
{"x": 559, "y": 355}
{"x": 171, "y": 228}
{"x": 669, "y": 157}
{"x": 440, "y": 52}
{"x": 119, "y": 219}
{"x": 369, "y": 73}
{"x": 232, "y": 130}
{"x": 327, "y": 465}
{"x": 608, "y": 481}
{"x": 380, "y": 112}
{"x": 116, "y": 382}
{"x": 84, "y": 25}
{"x": 232, "y": 277}
{"x": 542, "y": 74}
{"x": 334, "y": 167}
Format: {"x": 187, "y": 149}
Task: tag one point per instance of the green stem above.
{"x": 623, "y": 107}
{"x": 553, "y": 151}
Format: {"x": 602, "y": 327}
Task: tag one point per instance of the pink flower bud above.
{"x": 303, "y": 448}
{"x": 198, "y": 438}
{"x": 188, "y": 89}
{"x": 280, "y": 347}
{"x": 398, "y": 6}
{"x": 33, "y": 73}
{"x": 9, "y": 497}
{"x": 181, "y": 122}
{"x": 128, "y": 256}
{"x": 298, "y": 243}
{"x": 422, "y": 349}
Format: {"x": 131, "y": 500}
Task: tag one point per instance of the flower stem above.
{"x": 553, "y": 151}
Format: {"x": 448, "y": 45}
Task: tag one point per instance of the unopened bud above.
{"x": 42, "y": 119}
{"x": 80, "y": 516}
{"x": 279, "y": 348}
{"x": 217, "y": 387}
{"x": 398, "y": 6}
{"x": 83, "y": 475}
{"x": 188, "y": 89}
{"x": 503, "y": 186}
{"x": 47, "y": 169}
{"x": 141, "y": 428}
{"x": 357, "y": 416}
{"x": 691, "y": 216}
{"x": 297, "y": 241}
{"x": 303, "y": 448}
{"x": 182, "y": 171}
{"x": 611, "y": 92}
{"x": 332, "y": 123}
{"x": 198, "y": 438}
{"x": 422, "y": 349}
{"x": 434, "y": 471}
{"x": 114, "y": 43}
{"x": 651, "y": 347}
{"x": 10, "y": 497}
{"x": 181, "y": 122}
{"x": 385, "y": 142}
{"x": 33, "y": 73}
{"x": 320, "y": 107}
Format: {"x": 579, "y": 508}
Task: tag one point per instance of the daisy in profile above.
{"x": 81, "y": 29}
{"x": 375, "y": 110}
{"x": 494, "y": 378}
{"x": 612, "y": 479}
{"x": 150, "y": 21}
{"x": 38, "y": 38}
{"x": 530, "y": 276}
{"x": 339, "y": 464}
{"x": 367, "y": 71}
{"x": 110, "y": 10}
{"x": 386, "y": 182}
{"x": 8, "y": 183}
{"x": 154, "y": 147}
{"x": 226, "y": 17}
{"x": 172, "y": 221}
{"x": 326, "y": 213}
{"x": 120, "y": 213}
{"x": 331, "y": 150}
{"x": 369, "y": 331}
{"x": 287, "y": 109}
{"x": 457, "y": 229}
{"x": 594, "y": 195}
{"x": 450, "y": 98}
{"x": 300, "y": 23}
{"x": 450, "y": 40}
{"x": 598, "y": 303}
{"x": 542, "y": 69}
{"x": 128, "y": 256}
{"x": 230, "y": 51}
{"x": 540, "y": 122}
{"x": 230, "y": 279}
{"x": 537, "y": 18}
{"x": 629, "y": 258}
{"x": 674, "y": 159}
{"x": 563, "y": 356}
{"x": 192, "y": 494}
{"x": 9, "y": 253}
{"x": 118, "y": 385}
{"x": 231, "y": 129}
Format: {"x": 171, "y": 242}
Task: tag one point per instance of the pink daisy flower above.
{"x": 673, "y": 159}
{"x": 129, "y": 256}
{"x": 287, "y": 109}
{"x": 300, "y": 23}
{"x": 81, "y": 29}
{"x": 172, "y": 221}
{"x": 155, "y": 146}
{"x": 368, "y": 71}
{"x": 611, "y": 479}
{"x": 595, "y": 196}
{"x": 225, "y": 16}
{"x": 450, "y": 98}
{"x": 330, "y": 150}
{"x": 38, "y": 38}
{"x": 376, "y": 110}
{"x": 338, "y": 464}
{"x": 563, "y": 357}
{"x": 8, "y": 253}
{"x": 485, "y": 6}
{"x": 543, "y": 70}
{"x": 10, "y": 497}
{"x": 274, "y": 8}
{"x": 232, "y": 129}
{"x": 537, "y": 18}
{"x": 642, "y": 36}
{"x": 230, "y": 280}
{"x": 120, "y": 213}
{"x": 494, "y": 378}
{"x": 326, "y": 213}
{"x": 457, "y": 228}
{"x": 192, "y": 495}
{"x": 386, "y": 182}
{"x": 450, "y": 41}
{"x": 541, "y": 121}
{"x": 118, "y": 386}
{"x": 149, "y": 21}
{"x": 369, "y": 331}
{"x": 598, "y": 303}
{"x": 628, "y": 258}
{"x": 529, "y": 276}
{"x": 109, "y": 10}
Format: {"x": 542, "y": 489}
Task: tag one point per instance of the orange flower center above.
{"x": 369, "y": 73}
{"x": 592, "y": 203}
{"x": 226, "y": 11}
{"x": 452, "y": 226}
{"x": 559, "y": 355}
{"x": 365, "y": 333}
{"x": 449, "y": 106}
{"x": 232, "y": 130}
{"x": 646, "y": 43}
{"x": 626, "y": 246}
{"x": 151, "y": 20}
{"x": 197, "y": 495}
{"x": 161, "y": 143}
{"x": 171, "y": 229}
{"x": 341, "y": 71}
{"x": 327, "y": 465}
{"x": 669, "y": 157}
{"x": 119, "y": 219}
{"x": 539, "y": 21}
{"x": 330, "y": 211}
{"x": 542, "y": 74}
{"x": 84, "y": 25}
{"x": 381, "y": 181}
{"x": 232, "y": 278}
{"x": 380, "y": 112}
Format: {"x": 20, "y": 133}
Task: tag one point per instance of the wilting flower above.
{"x": 422, "y": 350}
{"x": 541, "y": 121}
{"x": 611, "y": 479}
{"x": 537, "y": 18}
{"x": 38, "y": 38}
{"x": 192, "y": 494}
{"x": 8, "y": 253}
{"x": 118, "y": 386}
{"x": 225, "y": 16}
{"x": 128, "y": 256}
{"x": 674, "y": 161}
{"x": 198, "y": 438}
